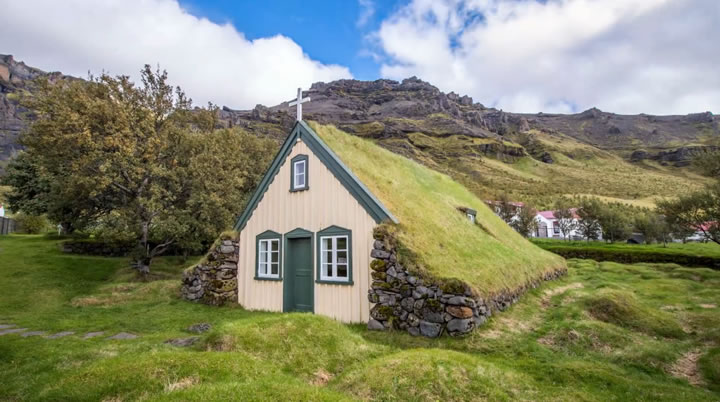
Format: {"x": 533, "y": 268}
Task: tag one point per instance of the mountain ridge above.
{"x": 412, "y": 113}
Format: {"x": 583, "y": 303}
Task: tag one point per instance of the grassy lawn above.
{"x": 605, "y": 332}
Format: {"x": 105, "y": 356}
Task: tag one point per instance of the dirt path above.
{"x": 686, "y": 367}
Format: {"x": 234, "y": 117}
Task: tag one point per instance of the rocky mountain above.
{"x": 451, "y": 132}
{"x": 15, "y": 77}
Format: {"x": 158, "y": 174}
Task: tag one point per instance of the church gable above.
{"x": 300, "y": 171}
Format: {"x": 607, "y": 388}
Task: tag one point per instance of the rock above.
{"x": 12, "y": 331}
{"x": 479, "y": 320}
{"x": 407, "y": 303}
{"x": 375, "y": 325}
{"x": 430, "y": 329}
{"x": 378, "y": 245}
{"x": 389, "y": 300}
{"x": 381, "y": 313}
{"x": 199, "y": 328}
{"x": 379, "y": 254}
{"x": 60, "y": 334}
{"x": 414, "y": 331}
{"x": 461, "y": 325}
{"x": 391, "y": 272}
{"x": 418, "y": 304}
{"x": 32, "y": 333}
{"x": 93, "y": 334}
{"x": 123, "y": 335}
{"x": 6, "y": 326}
{"x": 461, "y": 301}
{"x": 460, "y": 311}
{"x": 412, "y": 280}
{"x": 433, "y": 316}
{"x": 413, "y": 320}
{"x": 373, "y": 298}
{"x": 227, "y": 249}
{"x": 183, "y": 342}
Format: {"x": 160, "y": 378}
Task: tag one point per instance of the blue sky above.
{"x": 329, "y": 31}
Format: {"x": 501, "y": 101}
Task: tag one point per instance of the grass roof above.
{"x": 489, "y": 256}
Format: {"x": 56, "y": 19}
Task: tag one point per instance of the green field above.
{"x": 692, "y": 248}
{"x": 605, "y": 332}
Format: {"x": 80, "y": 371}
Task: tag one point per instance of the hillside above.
{"x": 490, "y": 256}
{"x": 534, "y": 156}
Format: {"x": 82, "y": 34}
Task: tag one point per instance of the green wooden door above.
{"x": 298, "y": 286}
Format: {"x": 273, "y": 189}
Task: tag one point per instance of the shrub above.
{"x": 623, "y": 309}
{"x": 32, "y": 224}
{"x": 631, "y": 255}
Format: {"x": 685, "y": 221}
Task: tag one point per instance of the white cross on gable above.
{"x": 300, "y": 100}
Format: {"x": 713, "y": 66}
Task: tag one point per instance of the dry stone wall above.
{"x": 403, "y": 301}
{"x": 214, "y": 281}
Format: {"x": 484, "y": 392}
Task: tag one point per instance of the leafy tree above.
{"x": 526, "y": 222}
{"x": 616, "y": 225}
{"x": 138, "y": 158}
{"x": 565, "y": 217}
{"x": 29, "y": 186}
{"x": 506, "y": 210}
{"x": 709, "y": 163}
{"x": 699, "y": 210}
{"x": 589, "y": 213}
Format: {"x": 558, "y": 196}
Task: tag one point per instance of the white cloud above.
{"x": 626, "y": 56}
{"x": 367, "y": 10}
{"x": 212, "y": 62}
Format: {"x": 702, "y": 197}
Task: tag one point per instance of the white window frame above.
{"x": 334, "y": 263}
{"x": 264, "y": 269}
{"x": 296, "y": 174}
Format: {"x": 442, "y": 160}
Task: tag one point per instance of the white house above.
{"x": 548, "y": 226}
{"x": 2, "y": 211}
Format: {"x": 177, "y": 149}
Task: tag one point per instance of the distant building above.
{"x": 496, "y": 205}
{"x": 548, "y": 226}
{"x": 2, "y": 211}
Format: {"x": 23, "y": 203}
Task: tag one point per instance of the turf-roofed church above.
{"x": 306, "y": 235}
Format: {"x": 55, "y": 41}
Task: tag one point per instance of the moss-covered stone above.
{"x": 378, "y": 265}
{"x": 381, "y": 285}
{"x": 453, "y": 286}
{"x": 379, "y": 275}
{"x": 434, "y": 305}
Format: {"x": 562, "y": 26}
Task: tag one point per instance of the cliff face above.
{"x": 410, "y": 115}
{"x": 15, "y": 77}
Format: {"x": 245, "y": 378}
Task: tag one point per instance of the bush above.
{"x": 31, "y": 224}
{"x": 623, "y": 309}
{"x": 630, "y": 255}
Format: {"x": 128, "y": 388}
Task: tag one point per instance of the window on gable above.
{"x": 335, "y": 258}
{"x": 268, "y": 258}
{"x": 299, "y": 173}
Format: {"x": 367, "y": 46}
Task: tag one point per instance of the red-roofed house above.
{"x": 549, "y": 228}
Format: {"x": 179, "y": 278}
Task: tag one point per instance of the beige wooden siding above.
{"x": 326, "y": 203}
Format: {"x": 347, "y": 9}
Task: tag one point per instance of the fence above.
{"x": 7, "y": 226}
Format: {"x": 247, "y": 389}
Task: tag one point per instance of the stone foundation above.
{"x": 214, "y": 281}
{"x": 404, "y": 301}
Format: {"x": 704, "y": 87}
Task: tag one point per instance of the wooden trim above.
{"x": 299, "y": 158}
{"x": 334, "y": 231}
{"x": 269, "y": 235}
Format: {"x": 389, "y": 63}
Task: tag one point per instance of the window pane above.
{"x": 275, "y": 257}
{"x": 263, "y": 257}
{"x": 327, "y": 257}
{"x": 342, "y": 243}
{"x": 275, "y": 269}
{"x": 327, "y": 269}
{"x": 275, "y": 245}
{"x": 342, "y": 271}
{"x": 342, "y": 257}
{"x": 263, "y": 245}
{"x": 263, "y": 269}
{"x": 327, "y": 243}
{"x": 300, "y": 181}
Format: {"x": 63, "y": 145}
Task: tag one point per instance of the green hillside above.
{"x": 490, "y": 256}
{"x": 577, "y": 169}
